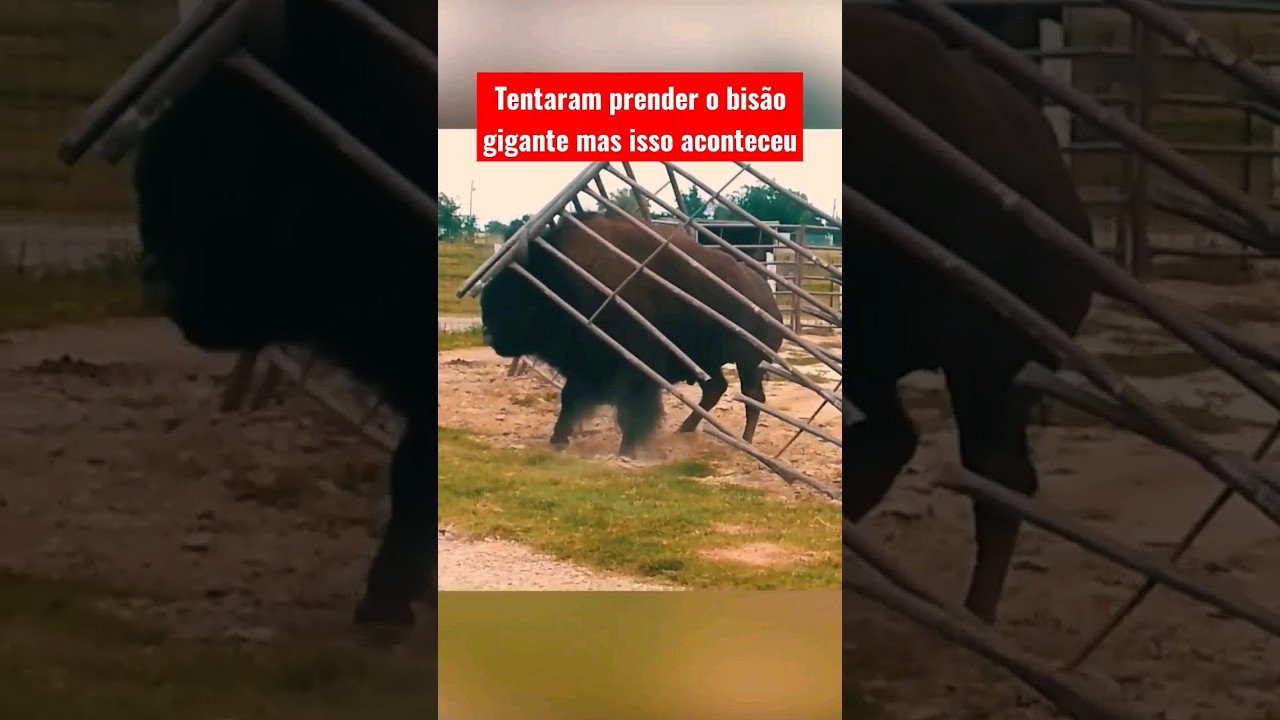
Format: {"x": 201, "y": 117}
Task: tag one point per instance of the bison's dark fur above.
{"x": 520, "y": 320}
{"x": 906, "y": 317}
{"x": 262, "y": 233}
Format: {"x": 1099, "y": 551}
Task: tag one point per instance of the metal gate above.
{"x": 589, "y": 183}
{"x": 871, "y": 572}
{"x": 216, "y": 33}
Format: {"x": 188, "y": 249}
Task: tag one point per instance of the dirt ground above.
{"x": 1173, "y": 656}
{"x": 115, "y": 465}
{"x": 519, "y": 412}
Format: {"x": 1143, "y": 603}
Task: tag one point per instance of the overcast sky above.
{"x": 507, "y": 190}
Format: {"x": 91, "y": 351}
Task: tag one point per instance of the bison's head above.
{"x": 254, "y": 231}
{"x": 217, "y": 251}
{"x": 515, "y": 315}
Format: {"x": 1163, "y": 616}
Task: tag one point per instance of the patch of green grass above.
{"x": 446, "y": 341}
{"x": 68, "y": 651}
{"x": 1165, "y": 364}
{"x": 659, "y": 522}
{"x": 31, "y": 300}
{"x": 454, "y": 263}
{"x": 56, "y": 58}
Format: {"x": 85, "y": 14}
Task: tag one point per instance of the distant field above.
{"x": 456, "y": 262}
{"x": 57, "y": 56}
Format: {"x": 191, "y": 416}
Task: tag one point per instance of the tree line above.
{"x": 762, "y": 201}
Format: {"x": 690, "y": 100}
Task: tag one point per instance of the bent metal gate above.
{"x": 220, "y": 32}
{"x": 871, "y": 571}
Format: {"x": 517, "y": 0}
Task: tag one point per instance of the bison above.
{"x": 907, "y": 317}
{"x": 520, "y": 320}
{"x": 259, "y": 232}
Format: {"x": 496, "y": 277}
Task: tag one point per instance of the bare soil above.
{"x": 1174, "y": 656}
{"x": 518, "y": 412}
{"x": 115, "y": 465}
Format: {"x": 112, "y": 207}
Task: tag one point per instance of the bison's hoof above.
{"x": 625, "y": 453}
{"x": 686, "y": 428}
{"x": 559, "y": 443}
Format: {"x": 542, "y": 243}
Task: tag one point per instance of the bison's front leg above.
{"x": 712, "y": 391}
{"x": 404, "y": 566}
{"x": 639, "y": 412}
{"x": 577, "y": 399}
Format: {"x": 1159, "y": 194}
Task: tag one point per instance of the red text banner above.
{"x": 613, "y": 117}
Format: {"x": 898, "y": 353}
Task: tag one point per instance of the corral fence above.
{"x": 589, "y": 186}
{"x": 1139, "y": 212}
{"x": 785, "y": 262}
{"x": 213, "y": 33}
{"x": 794, "y": 266}
{"x": 870, "y": 571}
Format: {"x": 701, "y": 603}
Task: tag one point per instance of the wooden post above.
{"x": 796, "y": 316}
{"x": 1275, "y": 143}
{"x": 1246, "y": 139}
{"x": 642, "y": 202}
{"x": 1053, "y": 36}
{"x": 1145, "y": 46}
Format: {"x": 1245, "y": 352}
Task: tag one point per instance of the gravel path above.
{"x": 457, "y": 323}
{"x": 467, "y": 564}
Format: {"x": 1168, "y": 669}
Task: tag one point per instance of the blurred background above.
{"x": 55, "y": 59}
{"x": 653, "y": 36}
{"x": 640, "y": 656}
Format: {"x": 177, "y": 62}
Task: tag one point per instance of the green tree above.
{"x": 511, "y": 227}
{"x": 697, "y": 206}
{"x": 623, "y": 198}
{"x": 769, "y": 204}
{"x": 450, "y": 221}
{"x": 469, "y": 229}
{"x": 495, "y": 227}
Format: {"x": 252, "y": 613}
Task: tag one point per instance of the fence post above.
{"x": 1275, "y": 143}
{"x": 1245, "y": 43}
{"x": 1145, "y": 49}
{"x": 799, "y": 280}
{"x": 769, "y": 263}
{"x": 1053, "y": 36}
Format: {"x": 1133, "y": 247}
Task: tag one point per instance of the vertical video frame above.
{"x": 1064, "y": 235}
{"x": 217, "y": 461}
{"x": 639, "y": 361}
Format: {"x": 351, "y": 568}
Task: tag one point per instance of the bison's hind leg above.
{"x": 751, "y": 380}
{"x": 876, "y": 449}
{"x": 639, "y": 412}
{"x": 712, "y": 390}
{"x": 992, "y": 415}
{"x": 403, "y": 568}
{"x": 577, "y": 399}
